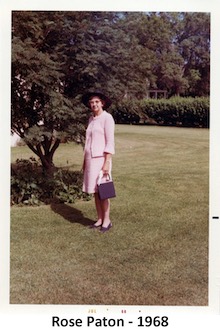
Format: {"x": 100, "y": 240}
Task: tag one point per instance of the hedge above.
{"x": 178, "y": 111}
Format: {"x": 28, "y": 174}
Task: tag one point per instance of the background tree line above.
{"x": 57, "y": 56}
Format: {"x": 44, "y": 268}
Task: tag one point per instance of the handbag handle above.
{"x": 101, "y": 175}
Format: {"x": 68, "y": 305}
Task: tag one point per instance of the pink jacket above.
{"x": 100, "y": 135}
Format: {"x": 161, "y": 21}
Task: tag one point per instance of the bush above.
{"x": 127, "y": 112}
{"x": 30, "y": 186}
{"x": 177, "y": 111}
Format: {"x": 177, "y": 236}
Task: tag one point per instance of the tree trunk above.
{"x": 46, "y": 153}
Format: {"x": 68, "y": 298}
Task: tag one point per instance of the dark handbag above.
{"x": 106, "y": 189}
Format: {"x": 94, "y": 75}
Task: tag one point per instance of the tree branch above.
{"x": 33, "y": 149}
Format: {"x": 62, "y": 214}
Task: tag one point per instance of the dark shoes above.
{"x": 104, "y": 229}
{"x": 94, "y": 227}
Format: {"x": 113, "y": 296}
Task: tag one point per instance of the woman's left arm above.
{"x": 109, "y": 143}
{"x": 106, "y": 166}
{"x": 109, "y": 131}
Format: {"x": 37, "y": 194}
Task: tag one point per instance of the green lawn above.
{"x": 157, "y": 250}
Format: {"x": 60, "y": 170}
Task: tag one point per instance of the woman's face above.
{"x": 96, "y": 104}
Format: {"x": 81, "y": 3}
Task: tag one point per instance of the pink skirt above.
{"x": 92, "y": 169}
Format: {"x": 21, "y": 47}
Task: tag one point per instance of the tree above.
{"x": 41, "y": 114}
{"x": 161, "y": 63}
{"x": 175, "y": 50}
{"x": 56, "y": 56}
{"x": 101, "y": 55}
{"x": 193, "y": 42}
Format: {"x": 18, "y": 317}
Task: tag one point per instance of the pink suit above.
{"x": 99, "y": 140}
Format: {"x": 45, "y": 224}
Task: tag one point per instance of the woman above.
{"x": 98, "y": 151}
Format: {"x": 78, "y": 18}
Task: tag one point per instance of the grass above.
{"x": 157, "y": 250}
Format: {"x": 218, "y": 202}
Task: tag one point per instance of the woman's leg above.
{"x": 103, "y": 211}
{"x": 98, "y": 210}
{"x": 105, "y": 204}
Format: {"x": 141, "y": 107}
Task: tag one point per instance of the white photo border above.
{"x": 40, "y": 316}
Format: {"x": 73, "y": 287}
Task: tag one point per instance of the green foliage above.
{"x": 193, "y": 42}
{"x": 114, "y": 51}
{"x": 57, "y": 56}
{"x": 177, "y": 111}
{"x": 126, "y": 112}
{"x": 42, "y": 115}
{"x": 188, "y": 112}
{"x": 30, "y": 185}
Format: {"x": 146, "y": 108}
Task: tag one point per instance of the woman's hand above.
{"x": 106, "y": 167}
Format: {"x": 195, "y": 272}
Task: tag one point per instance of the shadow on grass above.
{"x": 71, "y": 214}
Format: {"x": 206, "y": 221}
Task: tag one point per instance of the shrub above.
{"x": 177, "y": 111}
{"x": 30, "y": 186}
{"x": 127, "y": 112}
{"x": 188, "y": 112}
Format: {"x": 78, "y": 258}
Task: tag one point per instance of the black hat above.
{"x": 86, "y": 97}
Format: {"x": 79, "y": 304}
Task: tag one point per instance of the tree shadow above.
{"x": 71, "y": 214}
